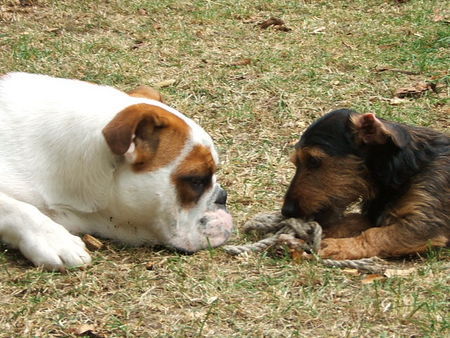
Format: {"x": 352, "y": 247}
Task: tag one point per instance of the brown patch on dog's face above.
{"x": 150, "y": 137}
{"x": 194, "y": 175}
{"x": 322, "y": 181}
{"x": 146, "y": 93}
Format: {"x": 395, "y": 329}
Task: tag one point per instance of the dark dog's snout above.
{"x": 221, "y": 197}
{"x": 290, "y": 209}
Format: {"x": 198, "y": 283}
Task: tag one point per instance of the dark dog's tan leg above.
{"x": 349, "y": 226}
{"x": 386, "y": 241}
{"x": 418, "y": 220}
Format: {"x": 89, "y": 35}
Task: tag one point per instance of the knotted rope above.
{"x": 300, "y": 234}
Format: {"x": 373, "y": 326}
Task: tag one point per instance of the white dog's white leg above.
{"x": 40, "y": 239}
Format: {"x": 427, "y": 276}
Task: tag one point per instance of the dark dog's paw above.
{"x": 341, "y": 248}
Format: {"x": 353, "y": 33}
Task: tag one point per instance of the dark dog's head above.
{"x": 337, "y": 159}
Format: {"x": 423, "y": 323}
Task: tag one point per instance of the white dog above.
{"x": 76, "y": 157}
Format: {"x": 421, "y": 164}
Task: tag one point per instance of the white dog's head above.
{"x": 165, "y": 177}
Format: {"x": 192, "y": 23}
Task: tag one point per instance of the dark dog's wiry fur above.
{"x": 401, "y": 173}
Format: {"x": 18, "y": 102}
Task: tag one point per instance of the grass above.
{"x": 331, "y": 58}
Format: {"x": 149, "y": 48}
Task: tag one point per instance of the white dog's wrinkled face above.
{"x": 166, "y": 177}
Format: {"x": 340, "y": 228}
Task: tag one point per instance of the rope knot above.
{"x": 298, "y": 234}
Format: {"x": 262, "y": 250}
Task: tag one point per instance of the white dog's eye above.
{"x": 198, "y": 183}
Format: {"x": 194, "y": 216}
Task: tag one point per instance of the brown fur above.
{"x": 338, "y": 176}
{"x": 147, "y": 93}
{"x": 194, "y": 175}
{"x": 159, "y": 136}
{"x": 403, "y": 215}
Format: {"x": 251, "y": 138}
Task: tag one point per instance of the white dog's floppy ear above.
{"x": 140, "y": 131}
{"x": 372, "y": 130}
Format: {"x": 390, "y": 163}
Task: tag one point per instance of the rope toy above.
{"x": 298, "y": 234}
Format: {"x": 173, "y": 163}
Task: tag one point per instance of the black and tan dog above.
{"x": 400, "y": 173}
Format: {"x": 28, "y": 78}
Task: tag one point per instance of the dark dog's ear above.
{"x": 371, "y": 130}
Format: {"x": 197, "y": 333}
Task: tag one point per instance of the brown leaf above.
{"x": 92, "y": 243}
{"x": 348, "y": 45}
{"x": 388, "y": 46}
{"x": 83, "y": 328}
{"x": 153, "y": 265}
{"x": 25, "y": 3}
{"x": 251, "y": 19}
{"x": 318, "y": 30}
{"x": 398, "y": 272}
{"x": 138, "y": 44}
{"x": 416, "y": 90}
{"x": 142, "y": 11}
{"x": 297, "y": 255}
{"x": 283, "y": 28}
{"x": 371, "y": 278}
{"x": 271, "y": 22}
{"x": 242, "y": 62}
{"x": 86, "y": 330}
{"x": 277, "y": 23}
{"x": 165, "y": 83}
{"x": 53, "y": 29}
{"x": 353, "y": 272}
{"x": 396, "y": 101}
{"x": 395, "y": 70}
{"x": 439, "y": 17}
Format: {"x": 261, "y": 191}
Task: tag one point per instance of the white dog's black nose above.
{"x": 221, "y": 197}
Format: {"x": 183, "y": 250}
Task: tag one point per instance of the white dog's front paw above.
{"x": 54, "y": 248}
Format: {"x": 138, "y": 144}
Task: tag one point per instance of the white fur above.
{"x": 57, "y": 173}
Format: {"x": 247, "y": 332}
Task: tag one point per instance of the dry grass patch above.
{"x": 254, "y": 90}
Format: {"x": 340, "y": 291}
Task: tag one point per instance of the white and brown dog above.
{"x": 76, "y": 157}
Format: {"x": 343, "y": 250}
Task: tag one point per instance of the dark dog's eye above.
{"x": 313, "y": 162}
